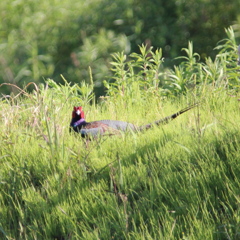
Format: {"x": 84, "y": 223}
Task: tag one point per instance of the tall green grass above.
{"x": 178, "y": 181}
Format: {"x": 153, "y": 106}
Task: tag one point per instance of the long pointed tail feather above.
{"x": 166, "y": 119}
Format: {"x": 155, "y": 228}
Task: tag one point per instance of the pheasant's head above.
{"x": 78, "y": 113}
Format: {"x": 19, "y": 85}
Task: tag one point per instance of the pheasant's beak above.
{"x": 78, "y": 112}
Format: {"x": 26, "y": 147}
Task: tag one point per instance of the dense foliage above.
{"x": 66, "y": 37}
{"x": 178, "y": 181}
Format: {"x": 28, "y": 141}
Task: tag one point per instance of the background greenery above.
{"x": 41, "y": 40}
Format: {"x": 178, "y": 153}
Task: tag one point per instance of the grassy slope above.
{"x": 180, "y": 181}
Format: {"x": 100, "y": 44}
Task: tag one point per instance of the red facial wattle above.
{"x": 80, "y": 112}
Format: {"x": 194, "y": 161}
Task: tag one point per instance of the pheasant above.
{"x": 112, "y": 127}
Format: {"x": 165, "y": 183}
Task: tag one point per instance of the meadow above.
{"x": 176, "y": 181}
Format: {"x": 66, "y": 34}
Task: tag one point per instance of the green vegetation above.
{"x": 179, "y": 181}
{"x": 40, "y": 41}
